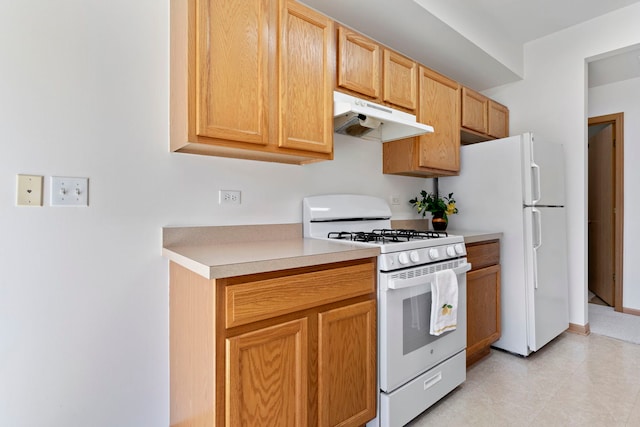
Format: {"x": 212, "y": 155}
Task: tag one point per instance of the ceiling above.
{"x": 615, "y": 67}
{"x": 478, "y": 42}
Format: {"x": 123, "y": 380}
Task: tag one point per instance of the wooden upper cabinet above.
{"x": 474, "y": 110}
{"x": 359, "y": 64}
{"x": 498, "y": 120}
{"x": 367, "y": 69}
{"x": 306, "y": 79}
{"x": 252, "y": 79}
{"x": 440, "y": 108}
{"x": 400, "y": 80}
{"x": 233, "y": 65}
{"x": 432, "y": 154}
{"x": 482, "y": 118}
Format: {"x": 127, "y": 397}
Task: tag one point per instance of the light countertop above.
{"x": 227, "y": 251}
{"x": 219, "y": 260}
{"x": 475, "y": 236}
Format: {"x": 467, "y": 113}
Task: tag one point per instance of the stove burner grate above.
{"x": 386, "y": 235}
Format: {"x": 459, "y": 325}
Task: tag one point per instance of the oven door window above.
{"x": 416, "y": 322}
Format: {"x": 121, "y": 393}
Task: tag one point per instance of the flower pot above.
{"x": 439, "y": 223}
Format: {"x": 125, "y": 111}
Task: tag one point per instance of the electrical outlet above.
{"x": 29, "y": 190}
{"x": 229, "y": 197}
{"x": 395, "y": 200}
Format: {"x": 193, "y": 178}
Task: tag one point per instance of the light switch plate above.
{"x": 29, "y": 190}
{"x": 67, "y": 191}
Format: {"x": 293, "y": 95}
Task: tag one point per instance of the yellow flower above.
{"x": 451, "y": 208}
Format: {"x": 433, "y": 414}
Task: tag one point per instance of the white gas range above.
{"x": 415, "y": 369}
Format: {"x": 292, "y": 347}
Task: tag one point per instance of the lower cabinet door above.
{"x": 483, "y": 311}
{"x": 347, "y": 365}
{"x": 267, "y": 376}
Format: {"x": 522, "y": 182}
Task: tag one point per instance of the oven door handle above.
{"x": 421, "y": 280}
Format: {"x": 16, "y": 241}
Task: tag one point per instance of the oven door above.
{"x": 406, "y": 348}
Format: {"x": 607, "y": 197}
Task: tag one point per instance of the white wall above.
{"x": 552, "y": 102}
{"x": 615, "y": 98}
{"x": 84, "y": 291}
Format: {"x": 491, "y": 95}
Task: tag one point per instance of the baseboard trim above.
{"x": 579, "y": 329}
{"x": 633, "y": 311}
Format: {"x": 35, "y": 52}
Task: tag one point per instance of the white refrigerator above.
{"x": 516, "y": 185}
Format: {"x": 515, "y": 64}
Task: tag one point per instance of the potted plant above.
{"x": 440, "y": 208}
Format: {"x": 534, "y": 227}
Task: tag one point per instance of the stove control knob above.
{"x": 403, "y": 258}
{"x": 414, "y": 256}
{"x": 433, "y": 253}
{"x": 459, "y": 248}
{"x": 451, "y": 251}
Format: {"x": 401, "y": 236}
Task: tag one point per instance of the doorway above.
{"x": 605, "y": 210}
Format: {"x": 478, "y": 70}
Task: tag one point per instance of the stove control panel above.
{"x": 411, "y": 258}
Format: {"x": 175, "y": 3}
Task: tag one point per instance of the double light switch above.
{"x": 66, "y": 191}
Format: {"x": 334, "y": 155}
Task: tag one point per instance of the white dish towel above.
{"x": 444, "y": 302}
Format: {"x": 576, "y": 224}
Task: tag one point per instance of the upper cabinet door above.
{"x": 440, "y": 108}
{"x": 483, "y": 119}
{"x": 307, "y": 52}
{"x": 232, "y": 67}
{"x": 359, "y": 60}
{"x": 400, "y": 80}
{"x": 474, "y": 110}
{"x": 433, "y": 154}
{"x": 498, "y": 120}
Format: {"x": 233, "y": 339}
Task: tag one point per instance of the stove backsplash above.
{"x": 410, "y": 224}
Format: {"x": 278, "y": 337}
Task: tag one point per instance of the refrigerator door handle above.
{"x": 535, "y": 182}
{"x": 537, "y": 233}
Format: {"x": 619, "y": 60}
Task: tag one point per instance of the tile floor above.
{"x": 572, "y": 381}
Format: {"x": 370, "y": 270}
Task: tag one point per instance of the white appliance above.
{"x": 365, "y": 119}
{"x": 516, "y": 185}
{"x": 415, "y": 369}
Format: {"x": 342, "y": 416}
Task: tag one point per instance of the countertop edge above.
{"x": 339, "y": 253}
{"x": 475, "y": 236}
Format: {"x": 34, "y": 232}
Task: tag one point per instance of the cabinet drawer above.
{"x": 263, "y": 299}
{"x": 483, "y": 254}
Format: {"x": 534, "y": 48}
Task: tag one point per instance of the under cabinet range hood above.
{"x": 364, "y": 119}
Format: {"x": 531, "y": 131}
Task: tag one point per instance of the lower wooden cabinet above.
{"x": 347, "y": 365}
{"x": 287, "y": 348}
{"x": 483, "y": 299}
{"x": 266, "y": 374}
